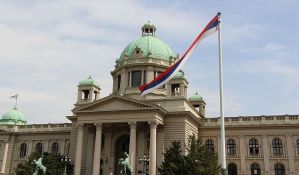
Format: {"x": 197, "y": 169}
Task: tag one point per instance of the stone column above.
{"x": 242, "y": 152}
{"x": 78, "y": 155}
{"x": 132, "y": 148}
{"x": 153, "y": 148}
{"x": 290, "y": 154}
{"x": 97, "y": 150}
{"x": 4, "y": 157}
{"x": 266, "y": 155}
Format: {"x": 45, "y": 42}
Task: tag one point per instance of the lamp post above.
{"x": 65, "y": 159}
{"x": 144, "y": 160}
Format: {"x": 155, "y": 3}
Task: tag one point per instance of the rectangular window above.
{"x": 136, "y": 78}
{"x": 118, "y": 81}
{"x": 144, "y": 77}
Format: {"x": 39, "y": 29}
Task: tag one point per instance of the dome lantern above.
{"x": 148, "y": 29}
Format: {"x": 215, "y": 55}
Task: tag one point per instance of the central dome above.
{"x": 148, "y": 46}
{"x": 13, "y": 116}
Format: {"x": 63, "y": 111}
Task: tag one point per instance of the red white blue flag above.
{"x": 171, "y": 71}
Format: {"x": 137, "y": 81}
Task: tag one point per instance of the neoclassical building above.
{"x": 103, "y": 129}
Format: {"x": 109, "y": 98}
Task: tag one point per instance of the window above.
{"x": 253, "y": 147}
{"x": 55, "y": 148}
{"x": 232, "y": 169}
{"x": 279, "y": 169}
{"x": 85, "y": 94}
{"x": 255, "y": 169}
{"x": 39, "y": 147}
{"x": 23, "y": 150}
{"x": 118, "y": 81}
{"x": 136, "y": 78}
{"x": 231, "y": 147}
{"x": 277, "y": 146}
{"x": 298, "y": 146}
{"x": 210, "y": 145}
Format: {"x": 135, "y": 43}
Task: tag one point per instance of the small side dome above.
{"x": 13, "y": 116}
{"x": 178, "y": 75}
{"x": 195, "y": 97}
{"x": 88, "y": 81}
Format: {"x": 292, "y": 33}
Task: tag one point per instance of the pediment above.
{"x": 115, "y": 103}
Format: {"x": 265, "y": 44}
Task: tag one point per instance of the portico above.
{"x": 138, "y": 118}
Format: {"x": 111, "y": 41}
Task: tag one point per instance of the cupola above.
{"x": 177, "y": 86}
{"x": 148, "y": 29}
{"x": 14, "y": 116}
{"x": 198, "y": 103}
{"x": 88, "y": 91}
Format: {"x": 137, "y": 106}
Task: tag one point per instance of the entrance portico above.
{"x": 139, "y": 119}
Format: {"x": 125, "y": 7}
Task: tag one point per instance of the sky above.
{"x": 48, "y": 46}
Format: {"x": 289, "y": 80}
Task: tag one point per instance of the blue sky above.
{"x": 47, "y": 47}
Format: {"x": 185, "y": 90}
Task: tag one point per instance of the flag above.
{"x": 14, "y": 96}
{"x": 171, "y": 71}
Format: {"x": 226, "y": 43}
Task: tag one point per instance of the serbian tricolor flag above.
{"x": 171, "y": 71}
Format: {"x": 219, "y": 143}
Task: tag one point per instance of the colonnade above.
{"x": 132, "y": 148}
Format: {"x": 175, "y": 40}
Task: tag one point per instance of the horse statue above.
{"x": 39, "y": 166}
{"x": 124, "y": 165}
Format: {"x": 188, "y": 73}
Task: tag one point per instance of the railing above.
{"x": 233, "y": 153}
{"x": 279, "y": 153}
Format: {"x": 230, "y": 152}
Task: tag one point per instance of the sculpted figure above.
{"x": 39, "y": 166}
{"x": 124, "y": 165}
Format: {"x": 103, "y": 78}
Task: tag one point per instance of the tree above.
{"x": 52, "y": 162}
{"x": 198, "y": 161}
{"x": 173, "y": 160}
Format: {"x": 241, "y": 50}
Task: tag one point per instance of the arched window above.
{"x": 255, "y": 169}
{"x": 298, "y": 146}
{"x": 23, "y": 150}
{"x": 55, "y": 148}
{"x": 279, "y": 169}
{"x": 39, "y": 147}
{"x": 232, "y": 169}
{"x": 231, "y": 147}
{"x": 253, "y": 146}
{"x": 277, "y": 146}
{"x": 210, "y": 145}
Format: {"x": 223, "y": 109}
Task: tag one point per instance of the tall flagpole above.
{"x": 223, "y": 158}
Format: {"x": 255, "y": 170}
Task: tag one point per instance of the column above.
{"x": 132, "y": 148}
{"x": 4, "y": 157}
{"x": 266, "y": 154}
{"x": 153, "y": 148}
{"x": 242, "y": 153}
{"x": 97, "y": 150}
{"x": 290, "y": 154}
{"x": 78, "y": 155}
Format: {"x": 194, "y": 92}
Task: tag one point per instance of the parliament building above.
{"x": 102, "y": 129}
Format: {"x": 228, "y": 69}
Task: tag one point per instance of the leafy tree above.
{"x": 173, "y": 160}
{"x": 199, "y": 160}
{"x": 52, "y": 162}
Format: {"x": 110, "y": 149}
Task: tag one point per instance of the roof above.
{"x": 195, "y": 97}
{"x": 13, "y": 116}
{"x": 88, "y": 81}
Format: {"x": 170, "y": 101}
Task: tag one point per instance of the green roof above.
{"x": 179, "y": 74}
{"x": 88, "y": 81}
{"x": 151, "y": 46}
{"x": 13, "y": 116}
{"x": 195, "y": 97}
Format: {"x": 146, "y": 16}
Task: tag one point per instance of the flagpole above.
{"x": 16, "y": 100}
{"x": 223, "y": 158}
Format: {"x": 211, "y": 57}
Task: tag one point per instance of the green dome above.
{"x": 13, "y": 116}
{"x": 178, "y": 75}
{"x": 195, "y": 97}
{"x": 88, "y": 81}
{"x": 149, "y": 45}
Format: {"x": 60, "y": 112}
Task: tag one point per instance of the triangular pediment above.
{"x": 115, "y": 103}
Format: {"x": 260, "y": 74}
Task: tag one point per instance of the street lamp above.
{"x": 144, "y": 160}
{"x": 66, "y": 160}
